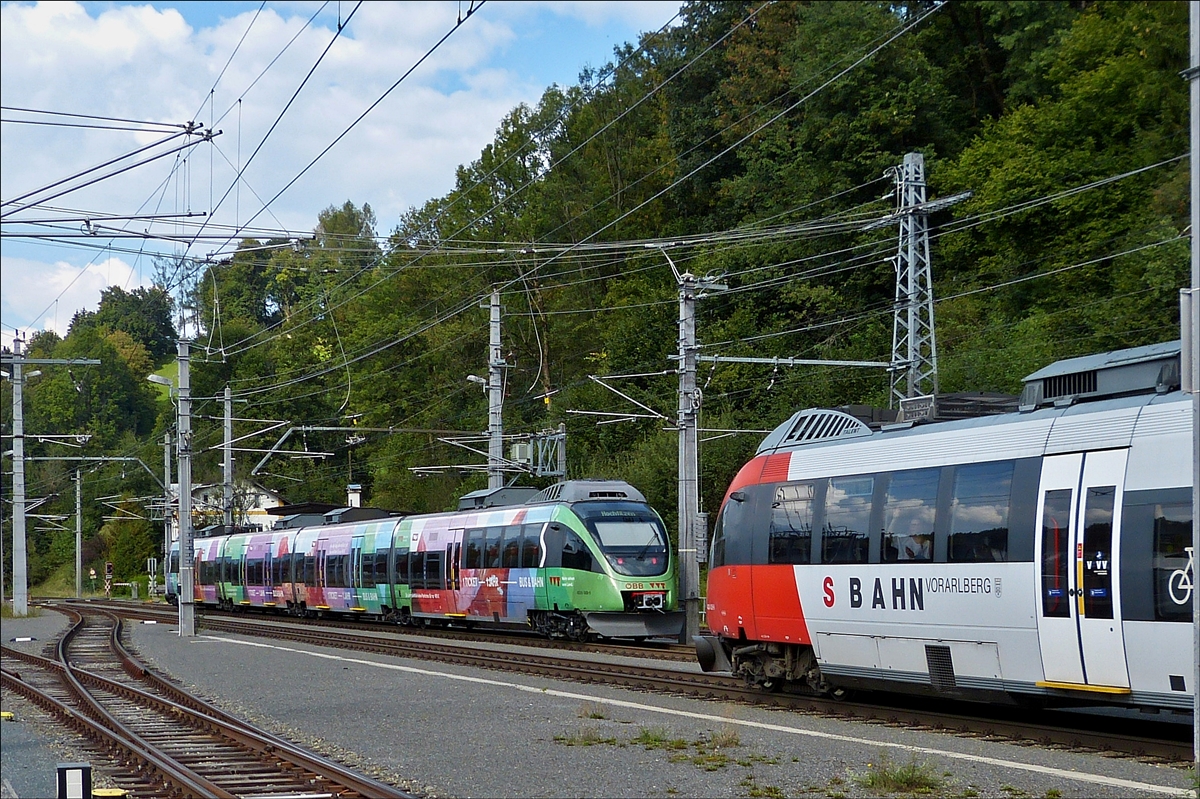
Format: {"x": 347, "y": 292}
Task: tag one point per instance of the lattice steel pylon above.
{"x": 914, "y": 344}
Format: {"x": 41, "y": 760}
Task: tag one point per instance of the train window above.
{"x": 1097, "y": 552}
{"x": 845, "y": 537}
{"x": 400, "y": 564}
{"x": 716, "y": 550}
{"x": 531, "y": 550}
{"x": 475, "y": 546}
{"x": 254, "y": 571}
{"x": 979, "y": 512}
{"x": 908, "y": 515}
{"x": 416, "y": 569}
{"x": 791, "y": 524}
{"x": 433, "y": 570}
{"x": 1173, "y": 561}
{"x": 576, "y": 555}
{"x": 1056, "y": 553}
{"x": 366, "y": 565}
{"x": 310, "y": 570}
{"x": 491, "y": 558}
{"x": 511, "y": 557}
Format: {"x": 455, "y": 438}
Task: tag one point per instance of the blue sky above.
{"x": 159, "y": 61}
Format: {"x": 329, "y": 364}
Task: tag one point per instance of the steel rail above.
{"x": 120, "y": 748}
{"x": 196, "y": 716}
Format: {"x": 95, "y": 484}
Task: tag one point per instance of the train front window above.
{"x": 631, "y": 536}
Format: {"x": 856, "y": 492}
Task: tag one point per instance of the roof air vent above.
{"x": 813, "y": 425}
{"x": 1075, "y": 384}
{"x": 585, "y": 490}
{"x": 1138, "y": 370}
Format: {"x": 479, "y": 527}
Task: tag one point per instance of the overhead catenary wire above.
{"x": 474, "y": 8}
{"x": 904, "y": 28}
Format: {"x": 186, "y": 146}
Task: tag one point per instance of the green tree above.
{"x": 144, "y": 313}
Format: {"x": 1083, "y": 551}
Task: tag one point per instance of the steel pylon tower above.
{"x": 914, "y": 346}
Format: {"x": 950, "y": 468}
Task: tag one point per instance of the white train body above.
{"x": 1044, "y": 554}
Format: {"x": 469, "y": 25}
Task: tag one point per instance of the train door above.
{"x": 355, "y": 594}
{"x": 268, "y": 574}
{"x": 537, "y": 533}
{"x": 1078, "y": 541}
{"x": 320, "y": 579}
{"x": 454, "y": 561}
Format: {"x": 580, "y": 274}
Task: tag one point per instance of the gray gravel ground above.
{"x": 453, "y": 731}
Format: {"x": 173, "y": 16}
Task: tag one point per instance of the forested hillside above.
{"x": 751, "y": 140}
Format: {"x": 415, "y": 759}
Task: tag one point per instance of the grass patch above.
{"x": 658, "y": 738}
{"x": 705, "y": 753}
{"x": 591, "y": 710}
{"x": 710, "y": 761}
{"x": 725, "y": 739}
{"x": 585, "y": 736}
{"x": 6, "y": 611}
{"x": 914, "y": 777}
{"x": 753, "y": 789}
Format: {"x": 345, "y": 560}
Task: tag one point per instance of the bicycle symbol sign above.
{"x": 1180, "y": 581}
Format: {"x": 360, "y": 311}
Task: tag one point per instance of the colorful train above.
{"x": 1042, "y": 555}
{"x": 582, "y": 557}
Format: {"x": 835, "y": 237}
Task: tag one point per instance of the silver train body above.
{"x": 1044, "y": 555}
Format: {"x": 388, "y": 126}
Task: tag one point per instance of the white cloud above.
{"x": 146, "y": 62}
{"x": 60, "y": 288}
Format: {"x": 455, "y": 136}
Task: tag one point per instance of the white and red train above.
{"x": 1043, "y": 555}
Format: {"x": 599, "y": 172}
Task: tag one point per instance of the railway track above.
{"x": 682, "y": 653}
{"x": 164, "y": 741}
{"x": 1151, "y": 741}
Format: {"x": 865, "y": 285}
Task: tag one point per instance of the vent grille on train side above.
{"x": 941, "y": 667}
{"x": 1065, "y": 385}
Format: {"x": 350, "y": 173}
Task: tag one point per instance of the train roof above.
{"x": 588, "y": 490}
{"x": 1091, "y": 405}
